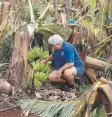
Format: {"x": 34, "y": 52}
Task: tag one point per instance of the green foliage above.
{"x": 5, "y": 50}
{"x": 37, "y": 9}
{"x": 99, "y": 112}
{"x": 105, "y": 15}
{"x": 92, "y": 8}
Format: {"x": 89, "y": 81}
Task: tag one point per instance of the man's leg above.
{"x": 53, "y": 78}
{"x": 70, "y": 74}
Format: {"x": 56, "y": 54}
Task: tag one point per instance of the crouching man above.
{"x": 67, "y": 61}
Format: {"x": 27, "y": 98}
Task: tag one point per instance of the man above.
{"x": 67, "y": 60}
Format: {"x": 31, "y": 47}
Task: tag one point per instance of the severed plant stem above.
{"x": 31, "y": 12}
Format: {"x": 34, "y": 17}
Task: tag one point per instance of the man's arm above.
{"x": 49, "y": 58}
{"x": 66, "y": 66}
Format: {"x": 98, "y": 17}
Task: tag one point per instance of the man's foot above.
{"x": 64, "y": 87}
{"x": 68, "y": 88}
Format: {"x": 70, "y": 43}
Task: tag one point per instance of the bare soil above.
{"x": 14, "y": 113}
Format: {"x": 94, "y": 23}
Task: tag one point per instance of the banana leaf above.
{"x": 99, "y": 112}
{"x": 48, "y": 109}
{"x": 49, "y": 29}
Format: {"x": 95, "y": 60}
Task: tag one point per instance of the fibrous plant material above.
{"x": 93, "y": 97}
{"x": 18, "y": 66}
{"x": 81, "y": 105}
{"x": 103, "y": 48}
{"x": 105, "y": 94}
{"x": 108, "y": 72}
{"x": 91, "y": 75}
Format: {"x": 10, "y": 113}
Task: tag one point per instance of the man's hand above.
{"x": 49, "y": 58}
{"x": 59, "y": 73}
{"x": 43, "y": 61}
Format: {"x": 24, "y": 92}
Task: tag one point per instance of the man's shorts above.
{"x": 80, "y": 71}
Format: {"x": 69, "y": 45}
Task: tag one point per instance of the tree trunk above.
{"x": 18, "y": 68}
{"x": 95, "y": 63}
{"x": 91, "y": 76}
{"x": 106, "y": 96}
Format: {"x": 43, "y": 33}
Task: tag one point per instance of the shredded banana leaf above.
{"x": 48, "y": 109}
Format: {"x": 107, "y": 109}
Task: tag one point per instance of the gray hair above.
{"x": 55, "y": 39}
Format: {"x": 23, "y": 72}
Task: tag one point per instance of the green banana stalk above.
{"x": 37, "y": 83}
{"x": 37, "y": 53}
{"x": 41, "y": 70}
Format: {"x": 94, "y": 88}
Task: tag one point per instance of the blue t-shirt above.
{"x": 67, "y": 54}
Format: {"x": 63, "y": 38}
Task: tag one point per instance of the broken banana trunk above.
{"x": 100, "y": 93}
{"x": 18, "y": 67}
{"x": 95, "y": 63}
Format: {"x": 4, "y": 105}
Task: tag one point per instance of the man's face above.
{"x": 57, "y": 46}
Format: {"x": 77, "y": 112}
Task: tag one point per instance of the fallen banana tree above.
{"x": 101, "y": 93}
{"x": 95, "y": 63}
{"x": 18, "y": 67}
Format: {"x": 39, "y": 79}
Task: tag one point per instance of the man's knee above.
{"x": 67, "y": 73}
